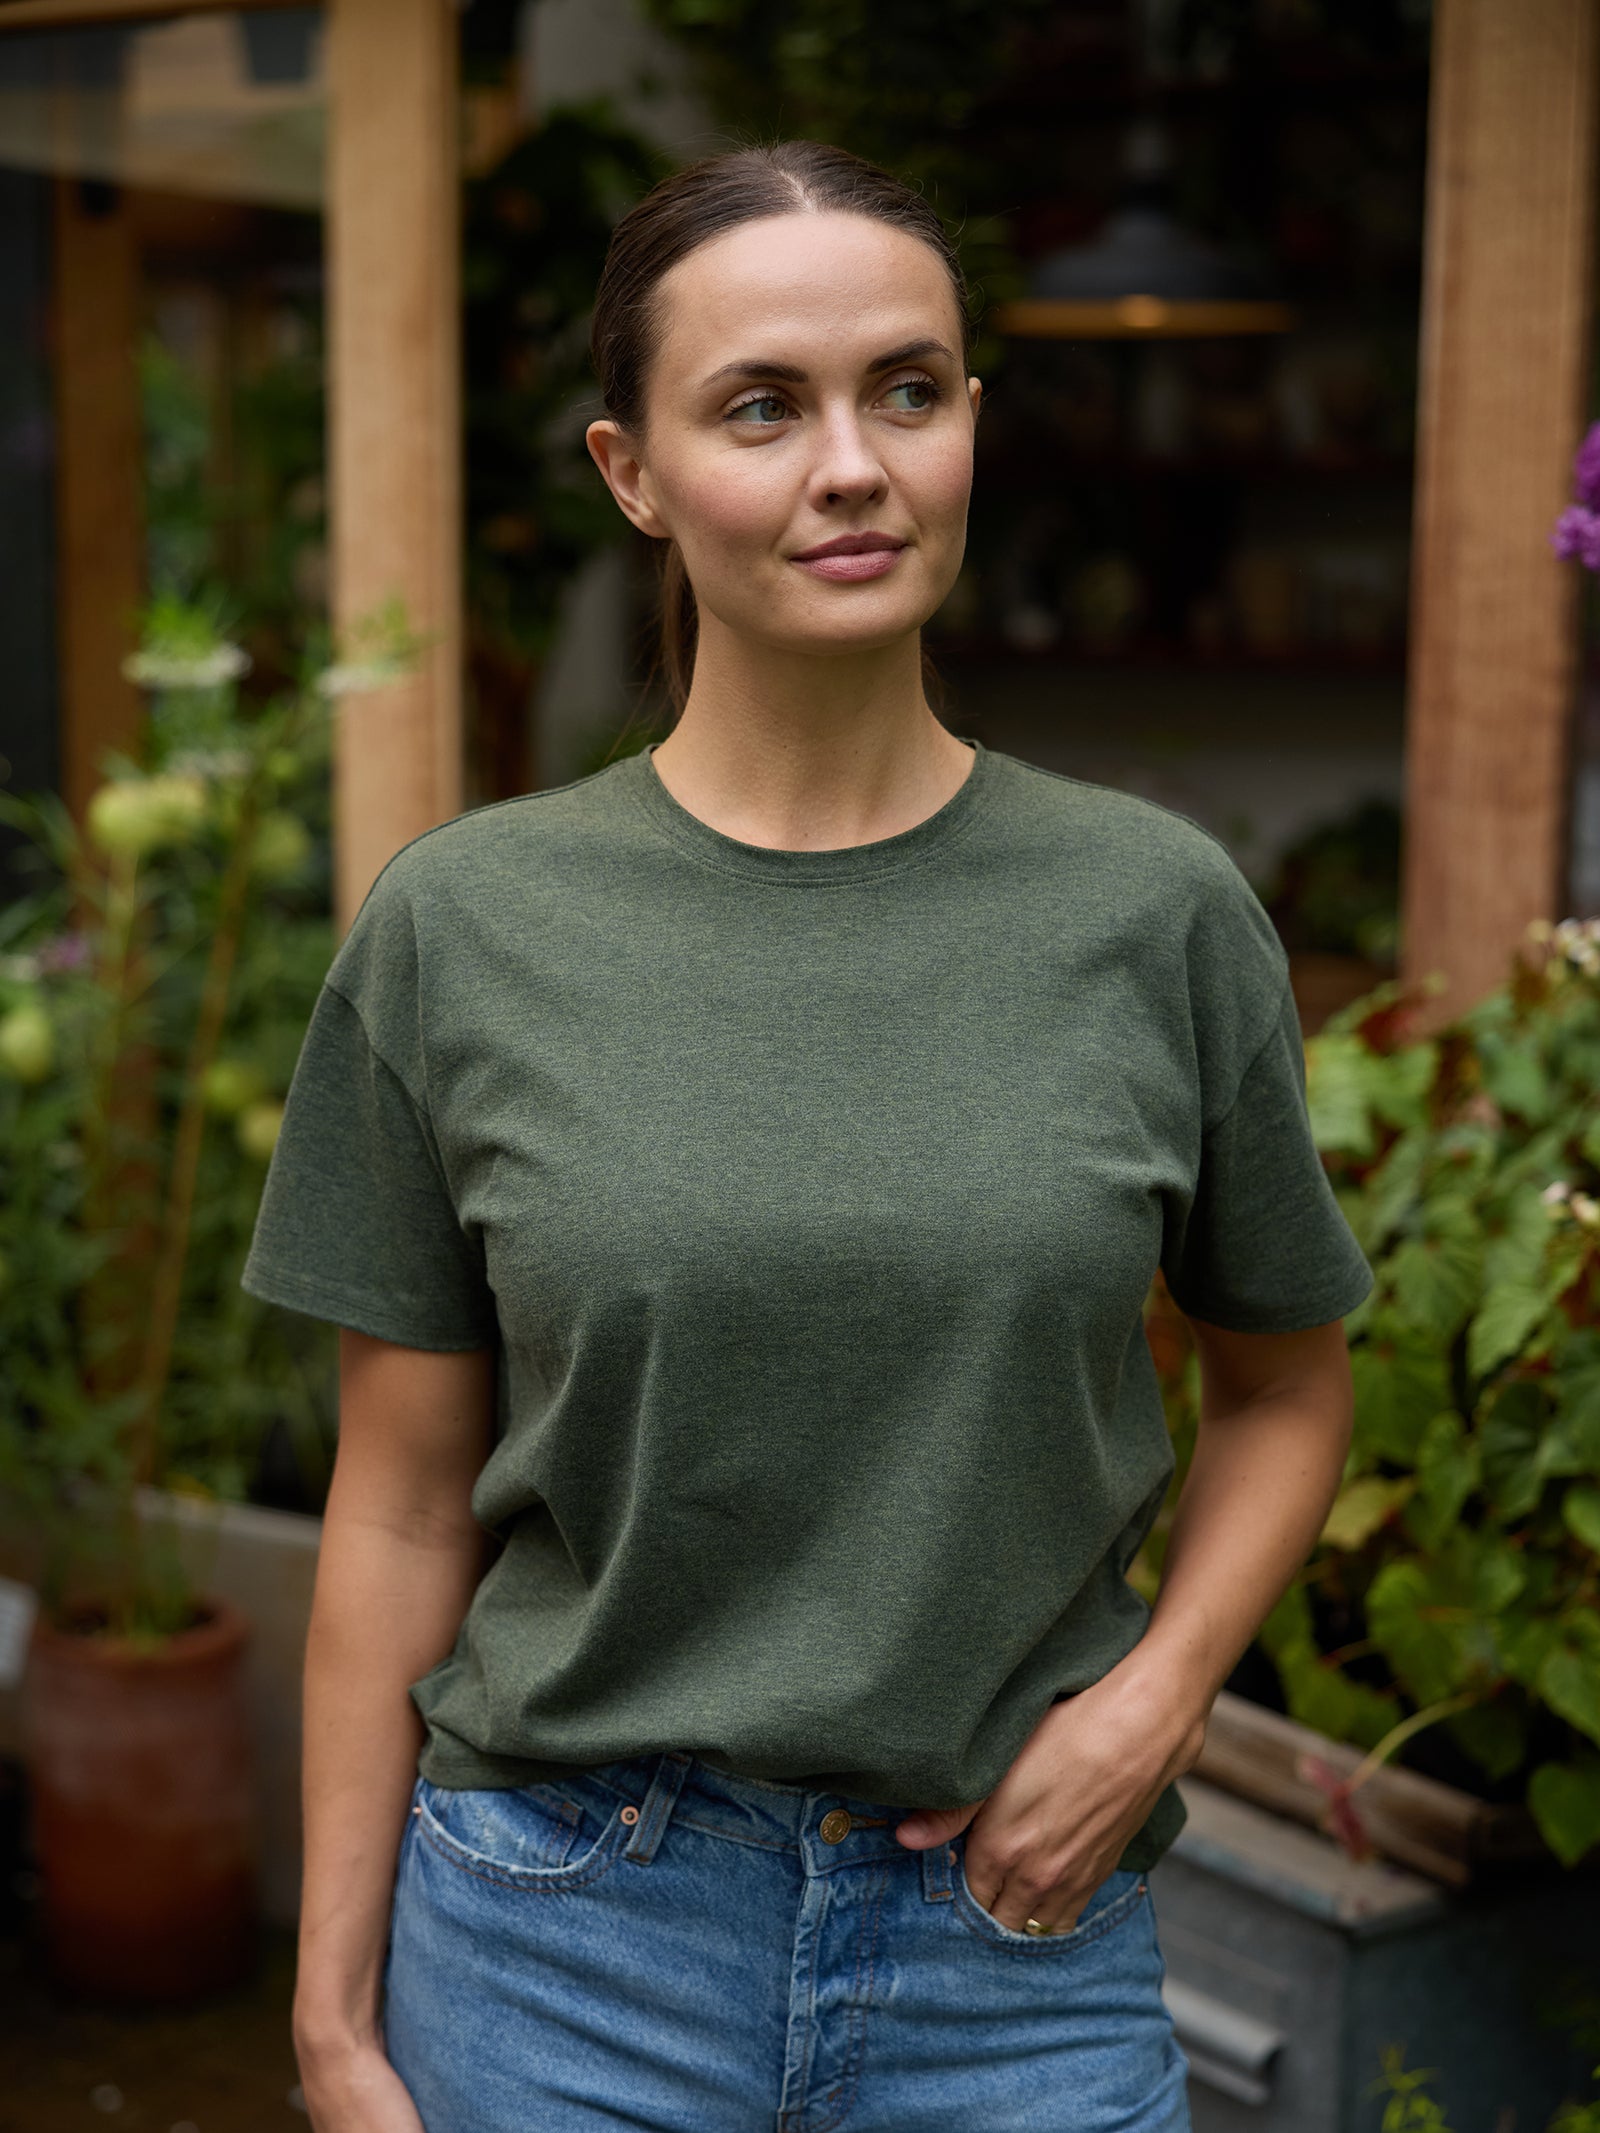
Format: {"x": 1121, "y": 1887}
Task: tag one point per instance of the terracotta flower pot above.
{"x": 141, "y": 1776}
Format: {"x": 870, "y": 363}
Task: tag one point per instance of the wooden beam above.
{"x": 99, "y": 491}
{"x": 1507, "y": 301}
{"x": 69, "y": 14}
{"x": 395, "y": 420}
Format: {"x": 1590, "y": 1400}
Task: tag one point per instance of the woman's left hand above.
{"x": 1055, "y": 1826}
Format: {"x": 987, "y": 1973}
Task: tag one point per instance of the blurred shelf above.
{"x": 1388, "y": 663}
{"x": 1266, "y": 467}
{"x": 1047, "y": 92}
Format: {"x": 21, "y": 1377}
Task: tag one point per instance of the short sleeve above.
{"x": 1262, "y": 1246}
{"x": 356, "y": 1222}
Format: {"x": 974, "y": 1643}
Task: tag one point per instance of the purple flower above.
{"x": 1577, "y": 533}
{"x": 68, "y": 951}
{"x": 1586, "y": 470}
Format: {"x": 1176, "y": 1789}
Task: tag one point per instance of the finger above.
{"x": 928, "y": 1826}
{"x": 1056, "y": 1909}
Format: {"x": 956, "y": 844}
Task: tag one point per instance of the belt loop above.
{"x": 936, "y": 1883}
{"x": 656, "y": 1812}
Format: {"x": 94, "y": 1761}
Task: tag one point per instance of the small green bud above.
{"x": 133, "y": 817}
{"x": 257, "y": 1129}
{"x": 282, "y": 847}
{"x": 229, "y": 1085}
{"x": 27, "y": 1043}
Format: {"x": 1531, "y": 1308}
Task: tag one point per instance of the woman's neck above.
{"x": 802, "y": 753}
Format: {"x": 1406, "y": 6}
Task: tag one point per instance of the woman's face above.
{"x": 807, "y": 388}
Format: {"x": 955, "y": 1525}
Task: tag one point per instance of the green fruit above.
{"x": 282, "y": 847}
{"x": 257, "y": 1129}
{"x": 229, "y": 1085}
{"x": 27, "y": 1043}
{"x": 133, "y": 817}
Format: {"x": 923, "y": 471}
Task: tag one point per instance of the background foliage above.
{"x": 1455, "y": 1590}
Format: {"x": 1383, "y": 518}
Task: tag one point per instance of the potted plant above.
{"x": 125, "y": 1000}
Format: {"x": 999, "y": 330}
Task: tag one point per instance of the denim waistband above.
{"x": 756, "y": 1811}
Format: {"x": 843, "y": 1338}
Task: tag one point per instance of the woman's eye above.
{"x": 924, "y": 386}
{"x": 748, "y": 407}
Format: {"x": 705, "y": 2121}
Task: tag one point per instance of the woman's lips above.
{"x": 870, "y": 563}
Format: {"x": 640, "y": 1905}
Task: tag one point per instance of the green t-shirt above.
{"x": 811, "y": 1199}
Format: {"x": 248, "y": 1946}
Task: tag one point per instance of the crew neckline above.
{"x": 848, "y": 862}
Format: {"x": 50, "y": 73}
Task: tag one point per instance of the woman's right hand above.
{"x": 354, "y": 2089}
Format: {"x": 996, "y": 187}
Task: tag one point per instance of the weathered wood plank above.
{"x": 1507, "y": 305}
{"x": 395, "y": 399}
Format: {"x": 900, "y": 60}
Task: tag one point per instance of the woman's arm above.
{"x": 401, "y": 1557}
{"x": 1274, "y": 1432}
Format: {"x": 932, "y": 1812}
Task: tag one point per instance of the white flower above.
{"x": 1586, "y": 1209}
{"x": 350, "y": 677}
{"x": 210, "y": 763}
{"x": 173, "y": 669}
{"x": 1554, "y": 1195}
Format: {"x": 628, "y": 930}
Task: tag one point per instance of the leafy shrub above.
{"x": 1456, "y": 1583}
{"x": 154, "y": 989}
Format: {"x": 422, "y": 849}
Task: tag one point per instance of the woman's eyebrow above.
{"x": 792, "y": 374}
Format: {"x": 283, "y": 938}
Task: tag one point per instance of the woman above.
{"x": 739, "y": 1174}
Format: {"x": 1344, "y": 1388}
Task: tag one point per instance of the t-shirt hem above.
{"x": 1319, "y": 1309}
{"x": 354, "y": 1308}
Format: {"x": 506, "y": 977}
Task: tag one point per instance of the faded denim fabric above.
{"x": 659, "y": 1945}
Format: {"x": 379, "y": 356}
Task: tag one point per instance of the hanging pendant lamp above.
{"x": 1144, "y": 276}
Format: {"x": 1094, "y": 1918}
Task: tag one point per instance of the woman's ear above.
{"x": 975, "y": 395}
{"x": 613, "y": 453}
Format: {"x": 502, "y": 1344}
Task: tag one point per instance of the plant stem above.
{"x": 1398, "y": 1735}
{"x": 178, "y": 1209}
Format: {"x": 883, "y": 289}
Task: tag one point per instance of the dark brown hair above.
{"x": 687, "y": 209}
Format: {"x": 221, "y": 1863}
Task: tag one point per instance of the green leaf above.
{"x": 1569, "y": 1679}
{"x": 1524, "y": 1643}
{"x": 1399, "y": 1387}
{"x": 1580, "y": 1509}
{"x": 1361, "y": 1507}
{"x": 1510, "y": 1441}
{"x": 1578, "y": 1397}
{"x": 1494, "y": 1734}
{"x": 1424, "y": 1645}
{"x": 1436, "y": 1278}
{"x": 1337, "y": 1095}
{"x": 1515, "y": 1077}
{"x": 1565, "y": 1801}
{"x": 1447, "y": 1474}
{"x": 1516, "y": 1252}
{"x": 1497, "y": 1572}
{"x": 1504, "y": 1320}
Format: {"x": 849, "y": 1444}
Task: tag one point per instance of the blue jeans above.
{"x": 653, "y": 1944}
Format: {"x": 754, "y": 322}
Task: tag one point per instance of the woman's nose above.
{"x": 846, "y": 469}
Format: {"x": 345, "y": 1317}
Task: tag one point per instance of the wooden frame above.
{"x": 76, "y": 14}
{"x": 395, "y": 422}
{"x": 1507, "y": 302}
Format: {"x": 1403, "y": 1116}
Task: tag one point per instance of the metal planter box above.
{"x": 1290, "y": 1967}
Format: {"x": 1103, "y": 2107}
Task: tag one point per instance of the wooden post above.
{"x": 1502, "y": 407}
{"x": 99, "y": 485}
{"x": 395, "y": 425}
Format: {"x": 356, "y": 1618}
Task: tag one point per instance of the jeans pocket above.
{"x": 537, "y": 1836}
{"x": 1110, "y": 1905}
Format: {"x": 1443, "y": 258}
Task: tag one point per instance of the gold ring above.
{"x": 1032, "y": 1925}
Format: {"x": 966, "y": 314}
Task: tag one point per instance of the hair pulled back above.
{"x": 688, "y": 209}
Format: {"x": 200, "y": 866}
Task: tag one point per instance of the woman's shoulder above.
{"x": 1128, "y": 844}
{"x": 531, "y": 831}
